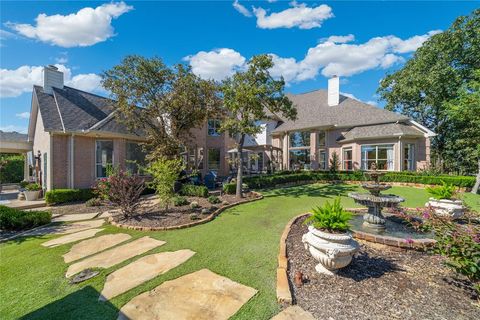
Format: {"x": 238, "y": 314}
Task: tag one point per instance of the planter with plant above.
{"x": 32, "y": 191}
{"x": 443, "y": 201}
{"x": 328, "y": 239}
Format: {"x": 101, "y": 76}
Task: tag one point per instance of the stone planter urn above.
{"x": 444, "y": 207}
{"x": 332, "y": 250}
{"x": 32, "y": 195}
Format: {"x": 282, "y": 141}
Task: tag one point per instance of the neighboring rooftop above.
{"x": 313, "y": 111}
{"x": 13, "y": 136}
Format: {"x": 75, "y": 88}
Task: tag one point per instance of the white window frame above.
{"x": 411, "y": 152}
{"x": 322, "y": 165}
{"x": 113, "y": 155}
{"x": 322, "y": 146}
{"x": 376, "y": 145}
{"x": 214, "y": 125}
{"x": 343, "y": 158}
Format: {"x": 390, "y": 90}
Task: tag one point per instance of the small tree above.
{"x": 164, "y": 173}
{"x": 247, "y": 97}
{"x": 125, "y": 191}
{"x": 334, "y": 163}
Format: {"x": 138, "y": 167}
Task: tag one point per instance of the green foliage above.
{"x": 14, "y": 219}
{"x": 155, "y": 98}
{"x": 334, "y": 163}
{"x": 23, "y": 184}
{"x": 11, "y": 168}
{"x": 179, "y": 201}
{"x": 194, "y": 205}
{"x": 68, "y": 195}
{"x": 33, "y": 187}
{"x": 213, "y": 199}
{"x": 164, "y": 173}
{"x": 230, "y": 188}
{"x": 101, "y": 188}
{"x": 330, "y": 217}
{"x": 194, "y": 216}
{"x": 94, "y": 202}
{"x": 445, "y": 191}
{"x": 191, "y": 190}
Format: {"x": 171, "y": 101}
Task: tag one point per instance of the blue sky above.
{"x": 310, "y": 41}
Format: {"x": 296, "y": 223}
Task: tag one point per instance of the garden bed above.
{"x": 153, "y": 216}
{"x": 75, "y": 208}
{"x": 380, "y": 283}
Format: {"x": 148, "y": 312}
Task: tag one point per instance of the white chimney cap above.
{"x": 52, "y": 78}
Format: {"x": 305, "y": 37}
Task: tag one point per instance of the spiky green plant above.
{"x": 330, "y": 217}
{"x": 445, "y": 191}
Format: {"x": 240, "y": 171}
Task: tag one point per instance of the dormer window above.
{"x": 214, "y": 127}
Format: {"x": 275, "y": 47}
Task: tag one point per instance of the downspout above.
{"x": 50, "y": 165}
{"x": 72, "y": 161}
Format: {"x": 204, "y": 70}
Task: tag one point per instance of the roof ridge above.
{"x": 92, "y": 94}
{"x": 58, "y": 109}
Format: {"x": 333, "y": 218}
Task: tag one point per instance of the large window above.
{"x": 300, "y": 139}
{"x": 321, "y": 139}
{"x": 347, "y": 159}
{"x": 103, "y": 157}
{"x": 382, "y": 155}
{"x": 135, "y": 157}
{"x": 409, "y": 157}
{"x": 213, "y": 127}
{"x": 214, "y": 159}
{"x": 300, "y": 159}
{"x": 322, "y": 160}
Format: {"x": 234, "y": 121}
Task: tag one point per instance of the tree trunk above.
{"x": 477, "y": 182}
{"x": 240, "y": 167}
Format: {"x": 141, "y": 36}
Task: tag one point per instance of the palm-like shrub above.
{"x": 331, "y": 217}
{"x": 445, "y": 191}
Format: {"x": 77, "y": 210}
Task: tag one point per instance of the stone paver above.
{"x": 92, "y": 246}
{"x": 202, "y": 295}
{"x": 142, "y": 270}
{"x": 69, "y": 238}
{"x": 294, "y": 313}
{"x": 75, "y": 217}
{"x": 66, "y": 228}
{"x": 111, "y": 257}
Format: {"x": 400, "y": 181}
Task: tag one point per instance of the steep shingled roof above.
{"x": 380, "y": 130}
{"x": 12, "y": 136}
{"x": 313, "y": 111}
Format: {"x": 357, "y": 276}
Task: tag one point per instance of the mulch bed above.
{"x": 157, "y": 216}
{"x": 74, "y": 208}
{"x": 380, "y": 283}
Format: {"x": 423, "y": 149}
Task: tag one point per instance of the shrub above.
{"x": 194, "y": 205}
{"x": 125, "y": 191}
{"x": 331, "y": 218}
{"x": 67, "y": 195}
{"x": 179, "y": 201}
{"x": 11, "y": 168}
{"x": 445, "y": 191}
{"x": 194, "y": 191}
{"x": 213, "y": 199}
{"x": 33, "y": 187}
{"x": 23, "y": 184}
{"x": 194, "y": 216}
{"x": 165, "y": 173}
{"x": 14, "y": 219}
{"x": 94, "y": 202}
{"x": 101, "y": 188}
{"x": 231, "y": 188}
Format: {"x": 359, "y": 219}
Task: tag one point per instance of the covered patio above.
{"x": 256, "y": 159}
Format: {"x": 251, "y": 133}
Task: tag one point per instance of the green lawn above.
{"x": 241, "y": 244}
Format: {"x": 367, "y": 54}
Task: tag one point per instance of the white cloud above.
{"x": 373, "y": 103}
{"x": 10, "y": 128}
{"x": 4, "y": 35}
{"x": 413, "y": 43}
{"x": 23, "y": 115}
{"x": 62, "y": 58}
{"x": 14, "y": 82}
{"x": 299, "y": 16}
{"x": 341, "y": 39}
{"x": 85, "y": 28}
{"x": 240, "y": 8}
{"x": 217, "y": 64}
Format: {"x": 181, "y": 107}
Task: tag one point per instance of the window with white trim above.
{"x": 322, "y": 160}
{"x": 409, "y": 157}
{"x": 381, "y": 154}
{"x": 103, "y": 157}
{"x": 347, "y": 159}
{"x": 321, "y": 138}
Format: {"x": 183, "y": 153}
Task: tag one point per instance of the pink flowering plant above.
{"x": 101, "y": 189}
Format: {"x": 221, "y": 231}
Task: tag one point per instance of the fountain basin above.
{"x": 375, "y": 187}
{"x": 369, "y": 200}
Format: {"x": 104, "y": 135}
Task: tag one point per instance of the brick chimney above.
{"x": 333, "y": 91}
{"x": 52, "y": 78}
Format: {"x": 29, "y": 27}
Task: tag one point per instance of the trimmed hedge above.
{"x": 12, "y": 172}
{"x": 269, "y": 181}
{"x": 14, "y": 219}
{"x": 68, "y": 195}
{"x": 191, "y": 190}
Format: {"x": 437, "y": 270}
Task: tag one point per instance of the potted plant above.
{"x": 443, "y": 201}
{"x": 32, "y": 191}
{"x": 328, "y": 239}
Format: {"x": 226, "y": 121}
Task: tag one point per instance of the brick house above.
{"x": 77, "y": 137}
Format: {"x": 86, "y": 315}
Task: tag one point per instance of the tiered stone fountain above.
{"x": 374, "y": 200}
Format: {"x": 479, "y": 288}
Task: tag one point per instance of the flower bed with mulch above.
{"x": 156, "y": 217}
{"x": 381, "y": 283}
{"x": 75, "y": 208}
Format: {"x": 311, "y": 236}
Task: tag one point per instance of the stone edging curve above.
{"x": 212, "y": 216}
{"x": 284, "y": 293}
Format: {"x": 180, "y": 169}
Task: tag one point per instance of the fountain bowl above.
{"x": 376, "y": 187}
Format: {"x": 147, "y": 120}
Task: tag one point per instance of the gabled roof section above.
{"x": 380, "y": 131}
{"x": 313, "y": 111}
{"x": 48, "y": 110}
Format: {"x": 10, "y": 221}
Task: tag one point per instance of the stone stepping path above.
{"x": 294, "y": 313}
{"x": 75, "y": 217}
{"x": 65, "y": 228}
{"x": 202, "y": 295}
{"x": 111, "y": 257}
{"x": 73, "y": 237}
{"x": 142, "y": 270}
{"x": 91, "y": 246}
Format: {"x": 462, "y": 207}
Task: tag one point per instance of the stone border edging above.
{"x": 284, "y": 294}
{"x": 190, "y": 224}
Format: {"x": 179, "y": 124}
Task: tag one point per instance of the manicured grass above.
{"x": 241, "y": 244}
